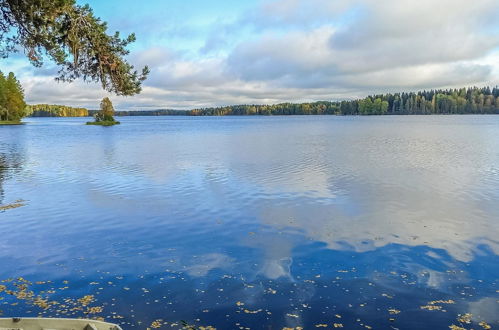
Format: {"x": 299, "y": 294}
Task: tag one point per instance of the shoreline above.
{"x": 10, "y": 123}
{"x": 278, "y": 115}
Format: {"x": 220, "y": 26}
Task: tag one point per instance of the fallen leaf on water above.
{"x": 466, "y": 318}
{"x": 156, "y": 324}
{"x": 15, "y": 205}
{"x": 455, "y": 327}
{"x": 247, "y": 311}
{"x": 431, "y": 307}
{"x": 450, "y": 301}
{"x": 484, "y": 325}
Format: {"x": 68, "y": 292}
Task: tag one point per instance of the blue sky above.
{"x": 210, "y": 53}
{"x": 178, "y": 25}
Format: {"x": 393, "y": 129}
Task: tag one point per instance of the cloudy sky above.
{"x": 219, "y": 52}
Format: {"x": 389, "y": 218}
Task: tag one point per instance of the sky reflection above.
{"x": 297, "y": 219}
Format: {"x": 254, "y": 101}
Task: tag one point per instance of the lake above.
{"x": 253, "y": 222}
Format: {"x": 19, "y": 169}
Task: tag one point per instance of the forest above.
{"x": 159, "y": 112}
{"x": 450, "y": 101}
{"x": 473, "y": 100}
{"x": 52, "y": 110}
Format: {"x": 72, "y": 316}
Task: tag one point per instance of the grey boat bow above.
{"x": 54, "y": 324}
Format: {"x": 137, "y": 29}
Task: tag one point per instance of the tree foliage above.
{"x": 52, "y": 110}
{"x": 71, "y": 36}
{"x": 12, "y": 105}
{"x": 106, "y": 112}
{"x": 451, "y": 101}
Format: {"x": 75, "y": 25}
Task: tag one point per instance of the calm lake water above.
{"x": 253, "y": 222}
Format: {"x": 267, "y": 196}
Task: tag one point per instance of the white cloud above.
{"x": 205, "y": 263}
{"x": 308, "y": 50}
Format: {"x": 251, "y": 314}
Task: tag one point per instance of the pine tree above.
{"x": 3, "y": 98}
{"x": 14, "y": 98}
{"x": 12, "y": 105}
{"x": 74, "y": 38}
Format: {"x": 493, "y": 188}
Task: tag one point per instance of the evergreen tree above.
{"x": 15, "y": 97}
{"x": 71, "y": 36}
{"x": 12, "y": 105}
{"x": 3, "y": 97}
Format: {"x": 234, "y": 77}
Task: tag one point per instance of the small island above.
{"x": 105, "y": 116}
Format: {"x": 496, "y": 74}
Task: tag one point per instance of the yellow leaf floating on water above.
{"x": 17, "y": 204}
{"x": 338, "y": 325}
{"x": 466, "y": 318}
{"x": 432, "y": 305}
{"x": 393, "y": 311}
{"x": 86, "y": 300}
{"x": 247, "y": 311}
{"x": 321, "y": 325}
{"x": 42, "y": 303}
{"x": 94, "y": 310}
{"x": 455, "y": 327}
{"x": 484, "y": 325}
{"x": 157, "y": 324}
{"x": 450, "y": 301}
{"x": 292, "y": 315}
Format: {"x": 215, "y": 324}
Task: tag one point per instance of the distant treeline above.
{"x": 161, "y": 112}
{"x": 51, "y": 110}
{"x": 450, "y": 101}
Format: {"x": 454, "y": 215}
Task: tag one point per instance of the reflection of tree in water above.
{"x": 9, "y": 164}
{"x": 3, "y": 169}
